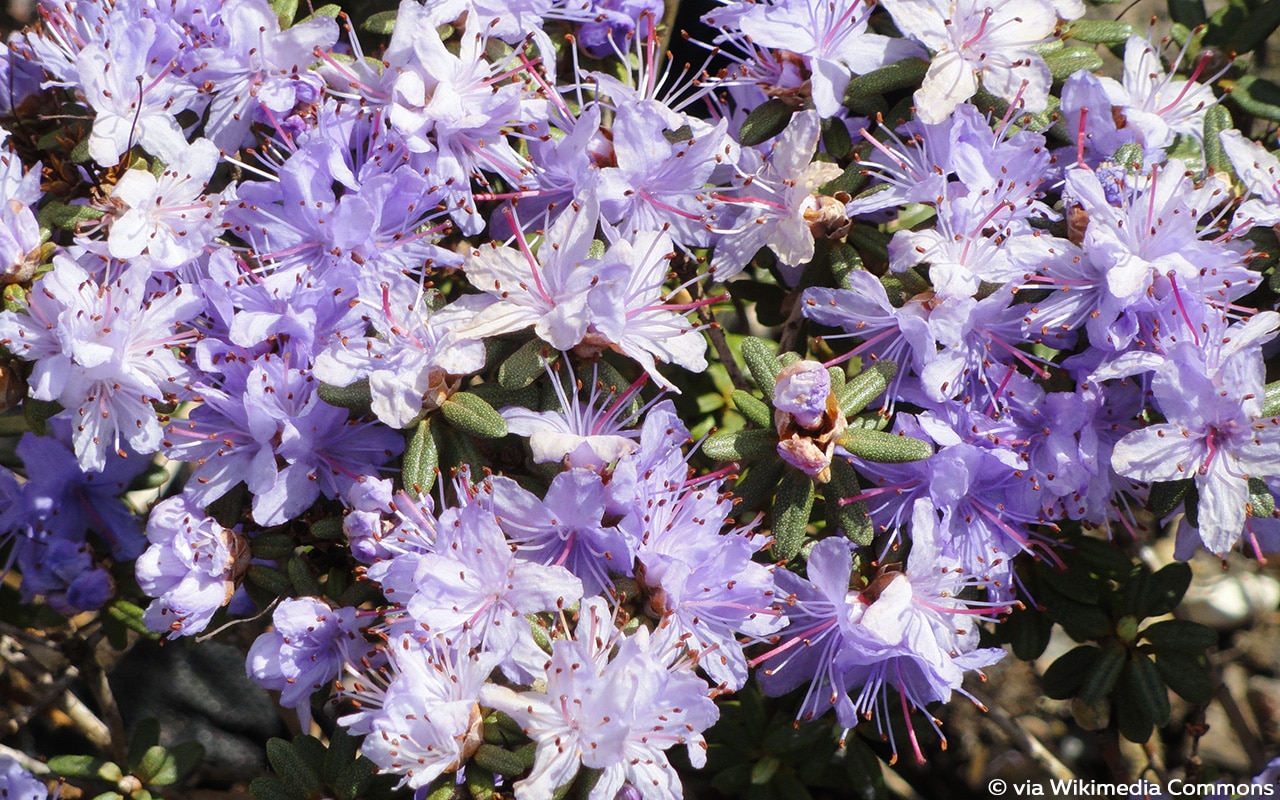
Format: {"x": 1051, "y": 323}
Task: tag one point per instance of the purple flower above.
{"x": 659, "y": 184}
{"x": 1210, "y": 395}
{"x": 191, "y": 567}
{"x": 136, "y": 48}
{"x": 306, "y": 650}
{"x": 778, "y": 203}
{"x": 972, "y": 40}
{"x": 705, "y": 587}
{"x": 567, "y": 528}
{"x": 908, "y": 631}
{"x": 424, "y": 720}
{"x": 251, "y": 63}
{"x": 832, "y": 37}
{"x": 18, "y": 784}
{"x": 61, "y": 501}
{"x": 473, "y": 587}
{"x": 104, "y": 351}
{"x": 169, "y": 216}
{"x": 617, "y": 715}
{"x": 410, "y": 364}
{"x": 802, "y": 391}
{"x": 64, "y": 573}
{"x": 613, "y": 24}
{"x": 266, "y": 426}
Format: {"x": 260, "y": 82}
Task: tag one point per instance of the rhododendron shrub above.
{"x": 532, "y": 405}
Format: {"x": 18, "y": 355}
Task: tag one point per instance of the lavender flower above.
{"x": 420, "y": 718}
{"x": 306, "y": 650}
{"x": 18, "y": 784}
{"x": 971, "y": 41}
{"x": 103, "y": 350}
{"x": 167, "y": 216}
{"x": 191, "y": 567}
{"x": 615, "y": 714}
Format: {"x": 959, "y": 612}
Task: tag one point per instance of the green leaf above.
{"x": 158, "y": 767}
{"x": 272, "y": 545}
{"x": 1261, "y": 502}
{"x": 1066, "y": 675}
{"x": 1100, "y": 31}
{"x": 756, "y": 487}
{"x": 1070, "y": 60}
{"x": 844, "y": 260}
{"x": 38, "y": 412}
{"x": 312, "y": 751}
{"x": 330, "y": 529}
{"x": 1145, "y": 689}
{"x": 382, "y": 23}
{"x": 1105, "y": 674}
{"x": 524, "y": 366}
{"x": 836, "y": 139}
{"x": 500, "y": 761}
{"x": 869, "y": 385}
{"x": 271, "y": 788}
{"x": 1166, "y": 495}
{"x": 1270, "y": 402}
{"x": 791, "y": 514}
{"x": 761, "y": 359}
{"x": 327, "y": 10}
{"x": 764, "y": 770}
{"x": 863, "y": 91}
{"x": 1168, "y": 585}
{"x": 1188, "y": 674}
{"x": 130, "y": 616}
{"x": 1190, "y": 13}
{"x": 1256, "y": 28}
{"x": 1180, "y": 635}
{"x": 421, "y": 460}
{"x": 753, "y": 408}
{"x": 302, "y": 578}
{"x": 285, "y": 11}
{"x": 77, "y": 766}
{"x": 270, "y": 579}
{"x": 1216, "y": 120}
{"x": 765, "y": 121}
{"x": 470, "y": 414}
{"x": 1081, "y": 621}
{"x": 1028, "y": 632}
{"x": 356, "y": 397}
{"x": 56, "y": 215}
{"x": 1258, "y": 97}
{"x": 146, "y": 735}
{"x": 885, "y": 448}
{"x": 1131, "y": 719}
{"x": 354, "y": 779}
{"x": 340, "y": 754}
{"x": 748, "y": 446}
{"x": 294, "y": 770}
{"x": 852, "y": 519}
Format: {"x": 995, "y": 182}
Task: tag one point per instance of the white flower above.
{"x": 990, "y": 40}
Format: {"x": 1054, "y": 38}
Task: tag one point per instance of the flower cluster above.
{"x": 415, "y": 348}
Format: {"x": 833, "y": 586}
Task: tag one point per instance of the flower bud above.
{"x": 802, "y": 392}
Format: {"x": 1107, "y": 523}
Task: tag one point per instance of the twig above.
{"x": 94, "y": 729}
{"x": 55, "y": 690}
{"x": 118, "y": 747}
{"x": 28, "y": 763}
{"x": 791, "y": 328}
{"x": 1252, "y": 747}
{"x": 1024, "y": 741}
{"x": 708, "y": 320}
